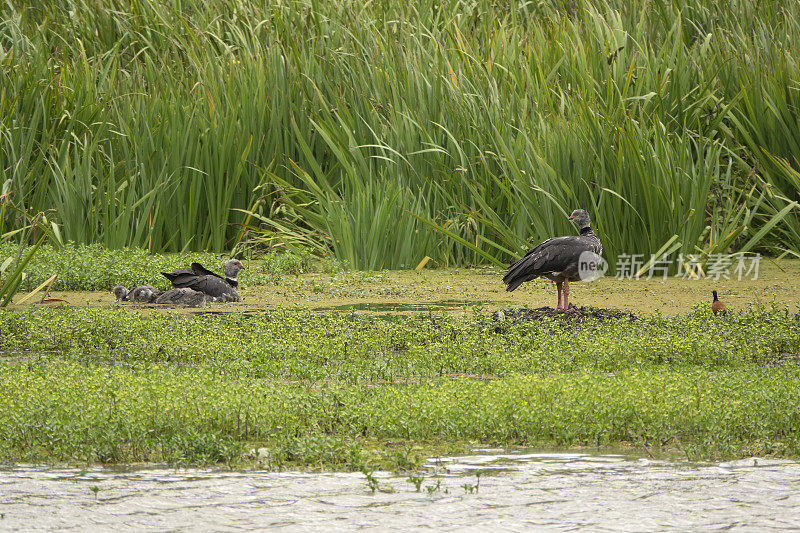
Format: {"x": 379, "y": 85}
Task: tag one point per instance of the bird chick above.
{"x": 121, "y": 293}
{"x": 145, "y": 294}
{"x": 185, "y": 297}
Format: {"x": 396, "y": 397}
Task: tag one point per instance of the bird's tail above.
{"x": 514, "y": 277}
{"x": 513, "y": 284}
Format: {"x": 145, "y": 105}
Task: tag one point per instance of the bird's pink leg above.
{"x": 558, "y": 286}
{"x": 566, "y": 294}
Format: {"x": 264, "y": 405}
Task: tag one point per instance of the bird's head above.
{"x": 232, "y": 268}
{"x": 120, "y": 292}
{"x": 581, "y": 218}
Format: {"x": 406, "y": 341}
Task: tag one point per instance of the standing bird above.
{"x": 557, "y": 258}
{"x": 200, "y": 279}
{"x": 717, "y": 307}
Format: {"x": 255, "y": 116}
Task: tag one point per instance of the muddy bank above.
{"x": 461, "y": 291}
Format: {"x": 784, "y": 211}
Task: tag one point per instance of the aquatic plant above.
{"x": 416, "y": 481}
{"x": 109, "y": 386}
{"x": 372, "y": 483}
{"x": 434, "y": 488}
{"x": 14, "y": 262}
{"x": 347, "y": 347}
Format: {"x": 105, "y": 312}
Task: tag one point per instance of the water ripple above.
{"x": 542, "y": 491}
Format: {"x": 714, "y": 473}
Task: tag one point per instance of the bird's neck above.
{"x": 715, "y": 297}
{"x": 587, "y": 230}
{"x": 233, "y": 282}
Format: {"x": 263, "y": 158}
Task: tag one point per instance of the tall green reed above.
{"x": 387, "y": 132}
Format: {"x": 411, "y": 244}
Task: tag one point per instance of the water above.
{"x": 400, "y": 307}
{"x": 544, "y": 491}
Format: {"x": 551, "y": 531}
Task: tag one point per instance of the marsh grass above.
{"x": 15, "y": 256}
{"x": 387, "y": 132}
{"x": 327, "y": 391}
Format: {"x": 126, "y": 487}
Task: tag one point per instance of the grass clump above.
{"x": 274, "y": 266}
{"x": 351, "y": 348}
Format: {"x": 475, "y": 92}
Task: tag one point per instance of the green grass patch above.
{"x": 352, "y": 348}
{"x": 95, "y": 267}
{"x": 293, "y": 388}
{"x": 66, "y": 411}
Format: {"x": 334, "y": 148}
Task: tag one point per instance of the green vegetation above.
{"x": 94, "y": 267}
{"x": 348, "y": 126}
{"x": 378, "y": 133}
{"x": 351, "y": 348}
{"x": 15, "y": 258}
{"x": 342, "y": 390}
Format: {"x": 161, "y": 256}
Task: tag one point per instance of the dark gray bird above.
{"x": 141, "y": 294}
{"x": 557, "y": 258}
{"x": 200, "y": 279}
{"x": 185, "y": 297}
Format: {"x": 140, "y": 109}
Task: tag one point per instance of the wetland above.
{"x": 378, "y": 370}
{"x": 329, "y": 397}
{"x": 336, "y": 398}
{"x": 450, "y": 290}
{"x": 346, "y": 389}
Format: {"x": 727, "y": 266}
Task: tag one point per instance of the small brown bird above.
{"x": 717, "y": 307}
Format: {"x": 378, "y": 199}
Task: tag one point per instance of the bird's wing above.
{"x": 180, "y": 278}
{"x": 171, "y": 296}
{"x": 213, "y": 286}
{"x": 200, "y": 270}
{"x": 553, "y": 255}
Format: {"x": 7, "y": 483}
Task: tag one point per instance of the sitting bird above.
{"x": 145, "y": 294}
{"x": 121, "y": 293}
{"x": 557, "y": 259}
{"x": 185, "y": 297}
{"x": 717, "y": 307}
{"x": 141, "y": 294}
{"x": 200, "y": 279}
